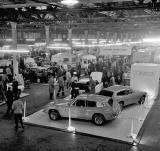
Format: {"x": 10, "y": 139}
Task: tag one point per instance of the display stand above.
{"x": 24, "y": 113}
{"x": 70, "y": 127}
{"x": 132, "y": 135}
{"x": 140, "y": 119}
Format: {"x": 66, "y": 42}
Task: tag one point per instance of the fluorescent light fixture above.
{"x": 41, "y": 7}
{"x": 14, "y": 51}
{"x": 40, "y": 44}
{"x": 59, "y": 46}
{"x": 69, "y": 2}
{"x": 151, "y": 40}
{"x": 56, "y": 47}
{"x": 32, "y": 39}
{"x": 105, "y": 45}
{"x": 8, "y": 39}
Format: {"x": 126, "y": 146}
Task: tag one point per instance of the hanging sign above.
{"x": 115, "y": 50}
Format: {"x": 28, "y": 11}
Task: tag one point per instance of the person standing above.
{"x": 9, "y": 102}
{"x": 61, "y": 86}
{"x": 51, "y": 87}
{"x": 9, "y": 73}
{"x": 92, "y": 85}
{"x": 68, "y": 79}
{"x": 74, "y": 89}
{"x": 17, "y": 108}
{"x": 2, "y": 92}
{"x": 15, "y": 88}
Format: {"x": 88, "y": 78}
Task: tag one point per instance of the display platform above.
{"x": 129, "y": 122}
{"x": 24, "y": 95}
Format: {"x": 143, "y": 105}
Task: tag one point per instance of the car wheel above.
{"x": 142, "y": 100}
{"x": 53, "y": 115}
{"x": 98, "y": 119}
{"x": 121, "y": 104}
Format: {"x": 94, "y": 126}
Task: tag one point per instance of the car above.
{"x": 124, "y": 95}
{"x": 83, "y": 84}
{"x": 86, "y": 106}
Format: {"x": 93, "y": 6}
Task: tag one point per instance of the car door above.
{"x": 91, "y": 107}
{"x": 78, "y": 109}
{"x": 125, "y": 97}
{"x": 135, "y": 97}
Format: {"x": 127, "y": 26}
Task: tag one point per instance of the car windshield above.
{"x": 106, "y": 93}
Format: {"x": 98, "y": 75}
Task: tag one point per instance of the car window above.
{"x": 121, "y": 93}
{"x": 106, "y": 93}
{"x": 80, "y": 103}
{"x": 124, "y": 92}
{"x": 110, "y": 102}
{"x": 90, "y": 103}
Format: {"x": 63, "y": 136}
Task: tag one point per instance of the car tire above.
{"x": 141, "y": 100}
{"x": 98, "y": 119}
{"x": 54, "y": 115}
{"x": 121, "y": 104}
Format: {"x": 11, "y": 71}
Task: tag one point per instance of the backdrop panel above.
{"x": 145, "y": 77}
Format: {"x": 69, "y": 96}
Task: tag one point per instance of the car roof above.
{"x": 116, "y": 88}
{"x": 93, "y": 97}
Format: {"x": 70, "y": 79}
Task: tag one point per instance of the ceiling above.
{"x": 109, "y": 15}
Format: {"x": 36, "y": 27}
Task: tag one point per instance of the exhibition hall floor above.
{"x": 128, "y": 123}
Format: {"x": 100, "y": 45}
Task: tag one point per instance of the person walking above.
{"x": 51, "y": 87}
{"x": 9, "y": 102}
{"x": 17, "y": 108}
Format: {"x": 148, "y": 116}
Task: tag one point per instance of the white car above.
{"x": 92, "y": 107}
{"x": 124, "y": 95}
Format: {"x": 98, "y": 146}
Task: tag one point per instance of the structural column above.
{"x": 70, "y": 44}
{"x": 86, "y": 36}
{"x": 98, "y": 36}
{"x": 14, "y": 47}
{"x": 47, "y": 34}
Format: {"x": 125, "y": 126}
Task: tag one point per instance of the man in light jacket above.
{"x": 17, "y": 108}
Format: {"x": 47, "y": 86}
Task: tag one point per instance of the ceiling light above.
{"x": 69, "y": 2}
{"x": 14, "y": 51}
{"x": 151, "y": 40}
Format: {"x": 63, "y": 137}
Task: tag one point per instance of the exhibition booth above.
{"x": 126, "y": 127}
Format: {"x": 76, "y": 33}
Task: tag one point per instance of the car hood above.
{"x": 61, "y": 104}
{"x": 84, "y": 80}
{"x": 96, "y": 76}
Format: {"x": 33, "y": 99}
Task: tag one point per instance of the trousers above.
{"x": 18, "y": 118}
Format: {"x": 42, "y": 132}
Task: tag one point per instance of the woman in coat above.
{"x": 51, "y": 87}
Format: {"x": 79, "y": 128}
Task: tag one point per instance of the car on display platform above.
{"x": 124, "y": 95}
{"x": 83, "y": 84}
{"x": 86, "y": 106}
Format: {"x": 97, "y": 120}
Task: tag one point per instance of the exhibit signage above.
{"x": 141, "y": 57}
{"x": 115, "y": 50}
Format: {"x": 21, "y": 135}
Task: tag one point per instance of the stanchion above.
{"x": 24, "y": 112}
{"x": 141, "y": 111}
{"x": 146, "y": 103}
{"x": 132, "y": 135}
{"x": 70, "y": 127}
